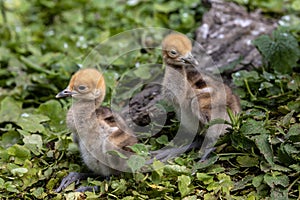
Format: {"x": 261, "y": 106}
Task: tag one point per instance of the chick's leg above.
{"x": 73, "y": 177}
{"x": 88, "y": 189}
{"x": 165, "y": 154}
{"x": 211, "y": 137}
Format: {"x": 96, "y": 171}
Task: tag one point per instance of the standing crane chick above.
{"x": 196, "y": 95}
{"x": 94, "y": 128}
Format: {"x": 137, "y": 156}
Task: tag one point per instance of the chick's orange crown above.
{"x": 178, "y": 42}
{"x": 90, "y": 78}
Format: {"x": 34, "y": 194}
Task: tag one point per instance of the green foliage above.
{"x": 271, "y": 112}
{"x": 43, "y": 42}
{"x": 279, "y": 6}
{"x": 136, "y": 162}
{"x": 281, "y": 53}
{"x": 183, "y": 185}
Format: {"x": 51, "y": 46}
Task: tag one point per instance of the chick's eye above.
{"x": 173, "y": 52}
{"x": 81, "y": 87}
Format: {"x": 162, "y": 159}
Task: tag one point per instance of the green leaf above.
{"x": 287, "y": 118}
{"x": 118, "y": 186}
{"x": 296, "y": 5}
{"x": 34, "y": 142}
{"x": 19, "y": 171}
{"x": 294, "y": 105}
{"x": 295, "y": 167}
{"x": 162, "y": 140}
{"x": 20, "y": 152}
{"x": 257, "y": 181}
{"x": 39, "y": 193}
{"x": 240, "y": 77}
{"x": 288, "y": 153}
{"x": 264, "y": 146}
{"x": 10, "y": 110}
{"x": 225, "y": 183}
{"x": 193, "y": 197}
{"x": 143, "y": 72}
{"x": 187, "y": 19}
{"x": 183, "y": 185}
{"x": 174, "y": 170}
{"x": 34, "y": 139}
{"x": 10, "y": 187}
{"x": 242, "y": 184}
{"x": 208, "y": 162}
{"x": 157, "y": 174}
{"x": 136, "y": 162}
{"x": 293, "y": 133}
{"x": 1, "y": 183}
{"x": 294, "y": 84}
{"x": 4, "y": 155}
{"x": 56, "y": 114}
{"x": 31, "y": 65}
{"x": 283, "y": 156}
{"x": 242, "y": 142}
{"x": 268, "y": 76}
{"x": 117, "y": 153}
{"x": 209, "y": 196}
{"x": 167, "y": 7}
{"x": 128, "y": 198}
{"x": 32, "y": 122}
{"x": 9, "y": 138}
{"x": 158, "y": 167}
{"x": 205, "y": 178}
{"x": 140, "y": 149}
{"x": 265, "y": 85}
{"x": 253, "y": 127}
{"x": 110, "y": 78}
{"x": 216, "y": 169}
{"x": 274, "y": 180}
{"x": 247, "y": 161}
{"x": 279, "y": 194}
{"x": 281, "y": 52}
{"x": 281, "y": 168}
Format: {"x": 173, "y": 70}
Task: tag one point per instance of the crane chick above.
{"x": 94, "y": 127}
{"x": 196, "y": 95}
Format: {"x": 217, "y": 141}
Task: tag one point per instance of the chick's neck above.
{"x": 84, "y": 116}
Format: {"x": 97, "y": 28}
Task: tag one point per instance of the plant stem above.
{"x": 293, "y": 183}
{"x": 249, "y": 90}
{"x": 3, "y": 13}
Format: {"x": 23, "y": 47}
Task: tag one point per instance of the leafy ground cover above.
{"x": 43, "y": 42}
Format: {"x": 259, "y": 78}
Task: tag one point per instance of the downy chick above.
{"x": 196, "y": 95}
{"x": 94, "y": 127}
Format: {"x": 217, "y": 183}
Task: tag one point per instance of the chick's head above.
{"x": 85, "y": 84}
{"x": 177, "y": 50}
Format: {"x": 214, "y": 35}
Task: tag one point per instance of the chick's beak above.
{"x": 189, "y": 58}
{"x": 64, "y": 93}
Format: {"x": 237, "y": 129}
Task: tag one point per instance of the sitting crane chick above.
{"x": 196, "y": 95}
{"x": 94, "y": 127}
